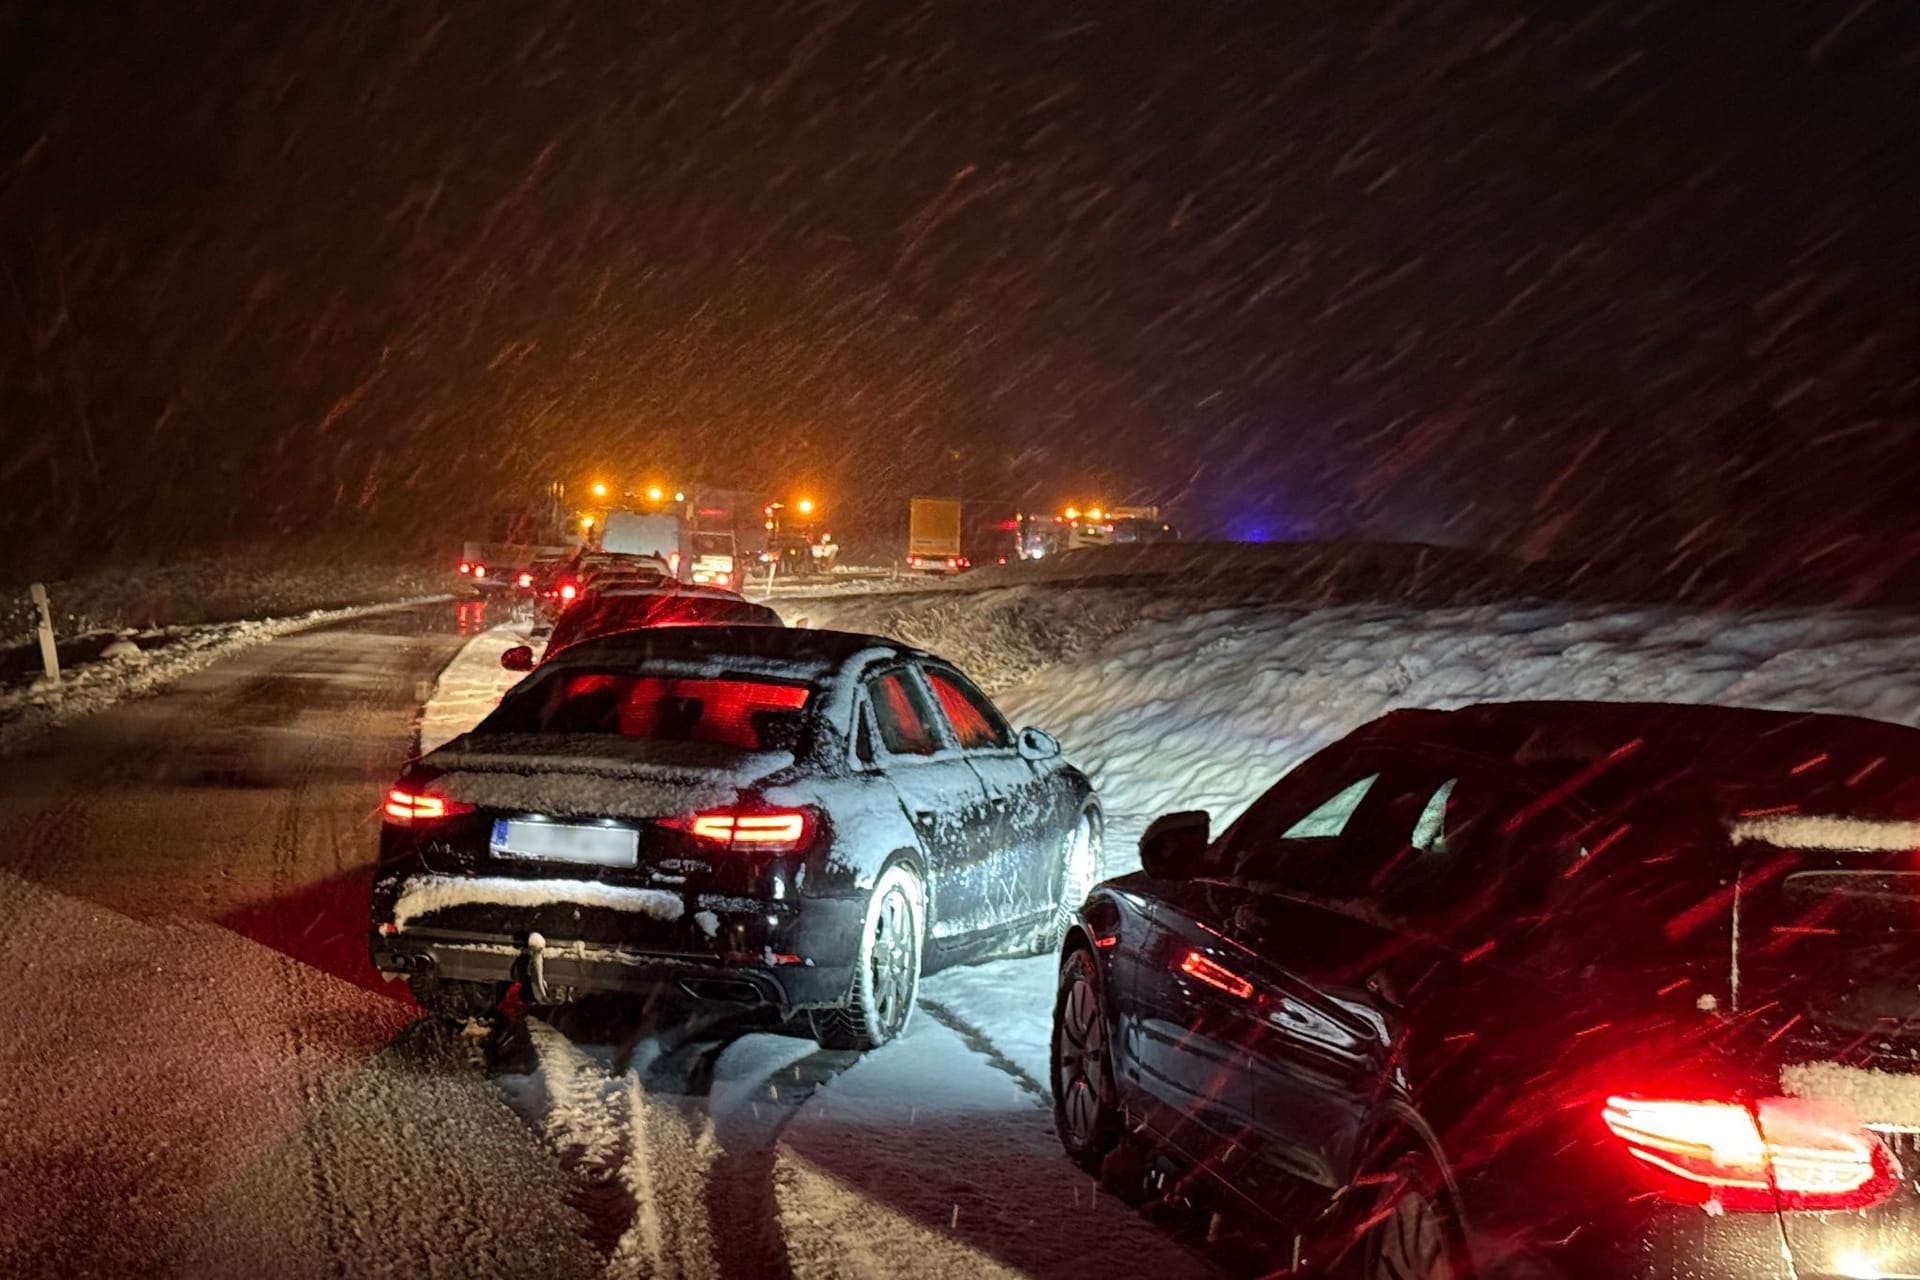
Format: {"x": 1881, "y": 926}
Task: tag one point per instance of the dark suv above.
{"x": 1596, "y": 990}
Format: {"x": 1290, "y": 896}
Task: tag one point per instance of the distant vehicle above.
{"x": 1576, "y": 989}
{"x": 933, "y": 536}
{"x": 590, "y": 571}
{"x": 608, "y": 613}
{"x": 499, "y": 565}
{"x": 712, "y": 558}
{"x": 802, "y": 821}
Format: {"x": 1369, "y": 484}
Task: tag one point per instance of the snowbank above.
{"x": 193, "y": 593}
{"x": 28, "y": 711}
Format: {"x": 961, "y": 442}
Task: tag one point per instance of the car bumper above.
{"x": 791, "y": 955}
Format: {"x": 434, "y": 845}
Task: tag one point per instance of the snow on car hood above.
{"x": 424, "y": 895}
{"x": 600, "y": 775}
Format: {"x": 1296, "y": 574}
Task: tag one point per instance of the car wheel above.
{"x": 1086, "y": 1106}
{"x": 1079, "y": 872}
{"x": 1412, "y": 1236}
{"x": 453, "y": 1000}
{"x": 886, "y": 972}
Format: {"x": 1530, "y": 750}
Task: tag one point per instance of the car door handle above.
{"x": 999, "y": 802}
{"x": 923, "y": 817}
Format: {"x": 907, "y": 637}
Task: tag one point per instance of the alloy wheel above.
{"x": 1081, "y": 1060}
{"x": 891, "y": 960}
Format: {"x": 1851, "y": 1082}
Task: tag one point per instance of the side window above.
{"x": 1430, "y": 829}
{"x": 1331, "y": 818}
{"x": 901, "y": 712}
{"x": 976, "y": 722}
{"x": 1300, "y": 832}
{"x": 863, "y": 737}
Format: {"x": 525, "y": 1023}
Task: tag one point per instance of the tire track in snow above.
{"x": 977, "y": 1040}
{"x": 672, "y": 1182}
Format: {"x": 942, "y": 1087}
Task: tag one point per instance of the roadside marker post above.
{"x": 49, "y": 655}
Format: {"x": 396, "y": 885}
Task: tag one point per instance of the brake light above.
{"x": 405, "y": 808}
{"x": 722, "y": 579}
{"x": 1746, "y": 1157}
{"x": 525, "y": 579}
{"x": 568, "y": 591}
{"x": 771, "y": 831}
{"x": 1215, "y": 975}
{"x": 953, "y": 562}
{"x": 673, "y": 564}
{"x": 466, "y": 566}
{"x": 479, "y": 571}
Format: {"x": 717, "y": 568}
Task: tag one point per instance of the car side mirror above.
{"x": 1174, "y": 846}
{"x": 1037, "y": 744}
{"x": 518, "y": 658}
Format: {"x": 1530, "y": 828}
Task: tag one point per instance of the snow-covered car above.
{"x": 610, "y": 613}
{"x": 795, "y": 819}
{"x": 1580, "y": 990}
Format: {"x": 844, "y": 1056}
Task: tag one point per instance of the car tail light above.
{"x": 409, "y": 808}
{"x": 479, "y": 571}
{"x": 568, "y": 591}
{"x": 953, "y": 562}
{"x": 525, "y": 579}
{"x": 673, "y": 564}
{"x": 722, "y": 579}
{"x": 1198, "y": 966}
{"x": 763, "y": 831}
{"x": 466, "y": 566}
{"x": 1750, "y": 1156}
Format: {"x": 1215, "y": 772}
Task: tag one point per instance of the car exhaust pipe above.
{"x": 410, "y": 962}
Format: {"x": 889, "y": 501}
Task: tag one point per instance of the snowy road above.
{"x": 206, "y": 1078}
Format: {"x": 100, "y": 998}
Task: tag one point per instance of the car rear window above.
{"x": 732, "y": 711}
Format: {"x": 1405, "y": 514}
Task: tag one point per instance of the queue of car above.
{"x": 1514, "y": 990}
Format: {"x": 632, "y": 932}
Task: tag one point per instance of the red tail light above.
{"x": 568, "y": 591}
{"x": 1744, "y": 1154}
{"x": 722, "y": 579}
{"x": 525, "y": 579}
{"x": 406, "y": 808}
{"x": 466, "y": 566}
{"x": 479, "y": 571}
{"x": 1215, "y": 975}
{"x": 769, "y": 831}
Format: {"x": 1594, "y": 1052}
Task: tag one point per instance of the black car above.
{"x": 799, "y": 820}
{"x": 610, "y": 613}
{"x": 1540, "y": 990}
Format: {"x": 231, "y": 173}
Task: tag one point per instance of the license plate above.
{"x": 565, "y": 842}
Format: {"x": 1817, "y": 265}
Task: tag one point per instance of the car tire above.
{"x": 1079, "y": 871}
{"x": 453, "y": 1000}
{"x": 1412, "y": 1232}
{"x": 886, "y": 971}
{"x": 1086, "y": 1103}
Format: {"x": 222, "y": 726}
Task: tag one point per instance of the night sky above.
{"x": 1564, "y": 279}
